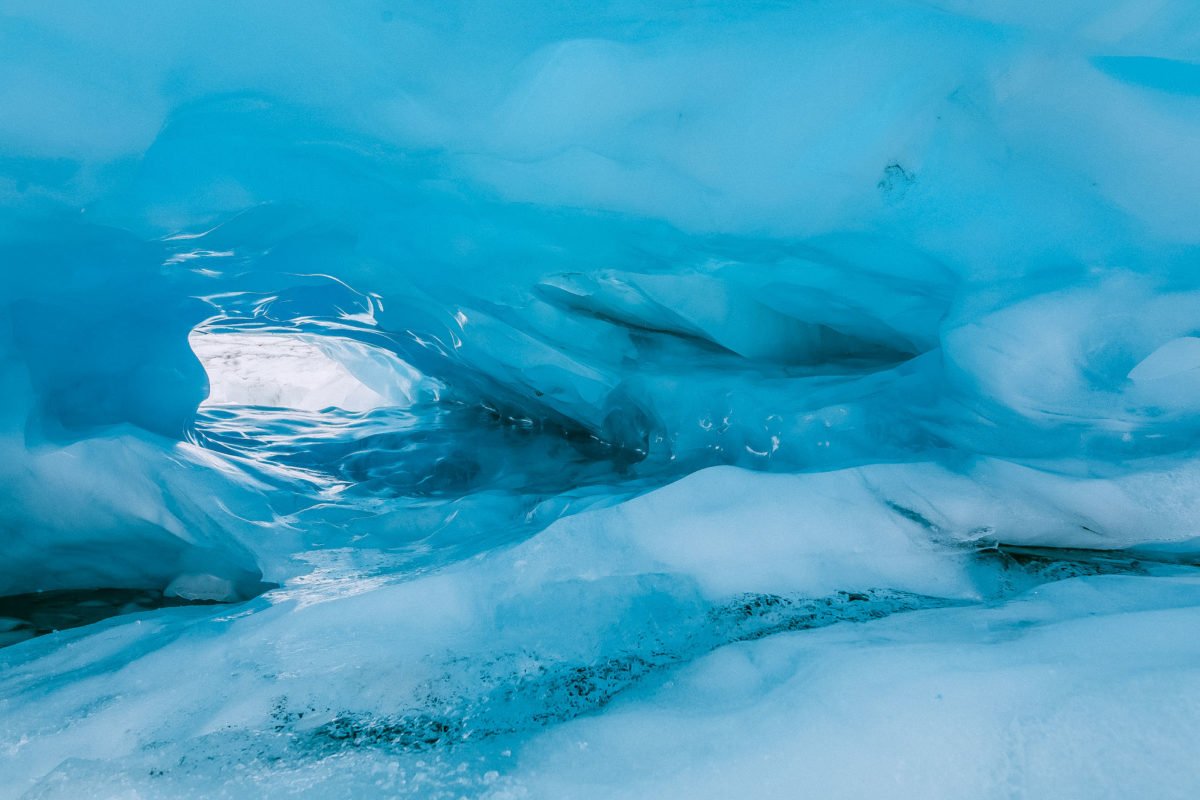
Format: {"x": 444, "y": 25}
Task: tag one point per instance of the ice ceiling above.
{"x": 544, "y": 399}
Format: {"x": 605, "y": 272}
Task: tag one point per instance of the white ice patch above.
{"x": 301, "y": 372}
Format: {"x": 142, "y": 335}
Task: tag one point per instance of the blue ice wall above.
{"x": 701, "y": 322}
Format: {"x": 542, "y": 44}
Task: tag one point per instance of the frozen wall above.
{"x": 525, "y": 264}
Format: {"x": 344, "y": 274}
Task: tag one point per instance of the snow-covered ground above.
{"x": 623, "y": 399}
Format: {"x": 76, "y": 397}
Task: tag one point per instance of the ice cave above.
{"x": 635, "y": 399}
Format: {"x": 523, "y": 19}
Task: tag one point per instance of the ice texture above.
{"x": 549, "y": 399}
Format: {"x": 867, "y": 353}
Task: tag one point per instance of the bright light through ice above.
{"x": 301, "y": 372}
{"x": 808, "y": 399}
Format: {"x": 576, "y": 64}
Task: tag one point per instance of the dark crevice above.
{"x": 913, "y": 515}
{"x": 1059, "y": 563}
{"x": 24, "y": 616}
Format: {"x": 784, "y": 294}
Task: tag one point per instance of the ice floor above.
{"x": 613, "y": 400}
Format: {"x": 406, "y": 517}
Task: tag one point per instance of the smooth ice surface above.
{"x": 545, "y": 399}
{"x": 283, "y": 371}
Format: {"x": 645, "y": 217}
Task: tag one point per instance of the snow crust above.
{"x": 657, "y": 399}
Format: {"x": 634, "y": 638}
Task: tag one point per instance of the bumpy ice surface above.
{"x": 656, "y": 399}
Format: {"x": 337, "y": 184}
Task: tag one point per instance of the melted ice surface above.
{"x": 549, "y": 399}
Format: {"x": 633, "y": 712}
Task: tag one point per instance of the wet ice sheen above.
{"x": 640, "y": 400}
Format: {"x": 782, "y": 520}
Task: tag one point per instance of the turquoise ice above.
{"x": 549, "y": 399}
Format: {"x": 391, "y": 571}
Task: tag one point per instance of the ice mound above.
{"x": 640, "y": 399}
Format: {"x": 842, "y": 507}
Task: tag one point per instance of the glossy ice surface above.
{"x": 616, "y": 399}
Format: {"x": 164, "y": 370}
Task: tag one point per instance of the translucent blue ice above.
{"x": 550, "y": 399}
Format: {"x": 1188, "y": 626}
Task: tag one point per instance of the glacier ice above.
{"x": 658, "y": 399}
{"x": 302, "y": 372}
